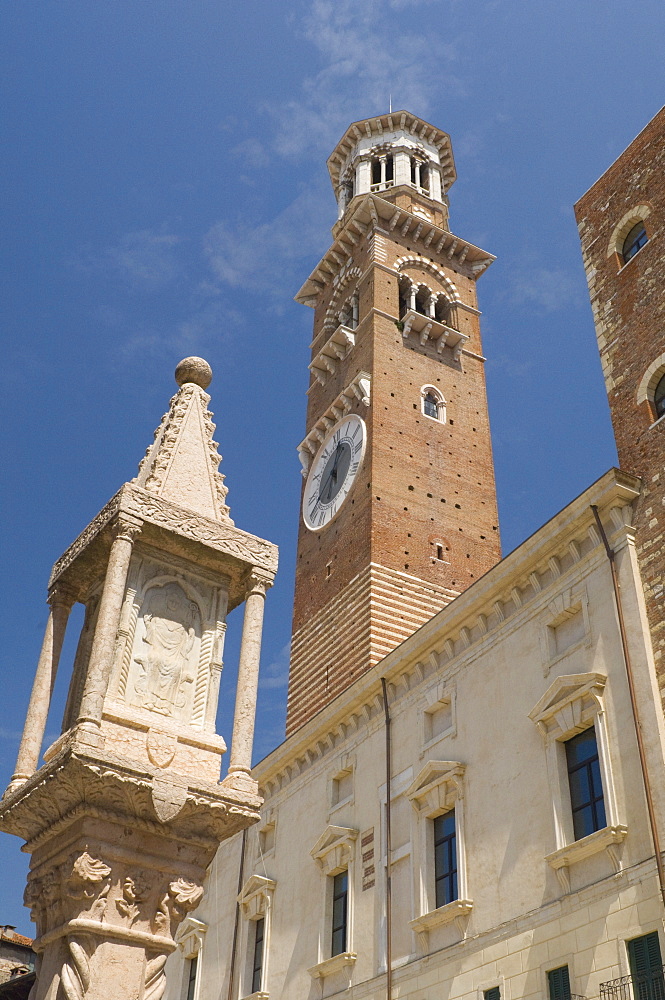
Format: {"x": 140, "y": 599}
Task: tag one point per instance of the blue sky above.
{"x": 165, "y": 194}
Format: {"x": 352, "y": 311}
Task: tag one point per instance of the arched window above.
{"x": 432, "y": 403}
{"x": 404, "y": 297}
{"x": 634, "y": 241}
{"x": 442, "y": 310}
{"x": 382, "y": 172}
{"x": 423, "y": 297}
{"x": 659, "y": 398}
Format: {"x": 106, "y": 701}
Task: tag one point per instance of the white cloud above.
{"x": 268, "y": 257}
{"x": 276, "y": 674}
{"x": 369, "y": 55}
{"x": 146, "y": 259}
{"x": 549, "y": 289}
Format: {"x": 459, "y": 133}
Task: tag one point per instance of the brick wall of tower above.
{"x": 372, "y": 576}
{"x": 628, "y": 302}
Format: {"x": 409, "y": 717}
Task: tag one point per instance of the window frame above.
{"x": 572, "y": 704}
{"x": 255, "y": 900}
{"x": 643, "y": 232}
{"x": 650, "y": 381}
{"x": 438, "y": 789}
{"x": 596, "y": 796}
{"x": 190, "y": 937}
{"x": 334, "y": 853}
{"x": 431, "y": 390}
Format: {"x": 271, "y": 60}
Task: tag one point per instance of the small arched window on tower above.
{"x": 404, "y": 297}
{"x": 382, "y": 172}
{"x": 442, "y": 310}
{"x": 432, "y": 403}
{"x": 634, "y": 241}
{"x": 423, "y": 300}
{"x": 420, "y": 174}
{"x": 659, "y": 398}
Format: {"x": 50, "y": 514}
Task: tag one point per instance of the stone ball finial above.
{"x": 195, "y": 370}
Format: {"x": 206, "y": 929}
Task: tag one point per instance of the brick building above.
{"x": 470, "y": 800}
{"x": 621, "y": 222}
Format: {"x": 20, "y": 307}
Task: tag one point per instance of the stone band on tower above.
{"x": 399, "y": 503}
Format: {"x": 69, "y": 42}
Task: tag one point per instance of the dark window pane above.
{"x": 445, "y": 859}
{"x": 659, "y": 398}
{"x": 635, "y": 240}
{"x": 191, "y": 978}
{"x": 339, "y": 913}
{"x": 430, "y": 406}
{"x": 585, "y": 784}
{"x": 492, "y": 994}
{"x": 257, "y": 965}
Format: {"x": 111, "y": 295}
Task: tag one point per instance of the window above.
{"x": 646, "y": 967}
{"x": 558, "y": 983}
{"x": 431, "y": 409}
{"x": 659, "y": 398}
{"x": 442, "y": 895}
{"x": 257, "y": 964}
{"x": 256, "y": 904}
{"x": 190, "y": 936}
{"x": 192, "y": 970}
{"x": 586, "y": 788}
{"x": 572, "y": 720}
{"x": 445, "y": 859}
{"x": 494, "y": 993}
{"x": 433, "y": 405}
{"x": 340, "y": 908}
{"x": 634, "y": 241}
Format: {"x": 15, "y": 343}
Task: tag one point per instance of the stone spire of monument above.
{"x": 127, "y": 809}
{"x": 182, "y": 464}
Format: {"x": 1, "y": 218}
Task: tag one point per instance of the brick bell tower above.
{"x": 621, "y": 221}
{"x": 399, "y": 507}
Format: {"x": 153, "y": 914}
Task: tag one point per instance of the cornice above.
{"x": 369, "y": 214}
{"x": 512, "y": 590}
{"x": 394, "y": 121}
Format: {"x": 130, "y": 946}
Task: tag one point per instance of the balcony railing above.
{"x": 643, "y": 986}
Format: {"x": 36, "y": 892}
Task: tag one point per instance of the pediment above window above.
{"x": 189, "y": 936}
{"x": 255, "y": 896}
{"x": 437, "y": 787}
{"x": 569, "y": 705}
{"x": 333, "y": 851}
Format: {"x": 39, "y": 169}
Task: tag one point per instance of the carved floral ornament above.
{"x": 437, "y": 787}
{"x": 333, "y": 851}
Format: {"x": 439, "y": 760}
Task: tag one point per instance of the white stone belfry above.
{"x": 127, "y": 809}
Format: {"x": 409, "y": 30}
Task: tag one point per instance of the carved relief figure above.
{"x": 167, "y": 664}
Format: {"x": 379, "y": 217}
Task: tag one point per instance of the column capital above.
{"x": 127, "y": 526}
{"x": 61, "y": 596}
{"x": 258, "y": 581}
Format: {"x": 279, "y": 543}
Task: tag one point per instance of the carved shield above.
{"x": 167, "y": 798}
{"x": 161, "y": 747}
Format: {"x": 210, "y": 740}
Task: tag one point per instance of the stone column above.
{"x": 108, "y": 619}
{"x": 240, "y": 764}
{"x": 60, "y": 601}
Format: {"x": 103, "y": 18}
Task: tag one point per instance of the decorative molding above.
{"x": 569, "y": 705}
{"x": 437, "y": 787}
{"x": 256, "y": 896}
{"x": 358, "y": 389}
{"x": 458, "y": 911}
{"x": 344, "y": 960}
{"x": 333, "y": 851}
{"x": 335, "y": 349}
{"x": 608, "y": 839}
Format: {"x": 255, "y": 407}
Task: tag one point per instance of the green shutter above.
{"x": 559, "y": 983}
{"x": 492, "y": 994}
{"x": 644, "y": 954}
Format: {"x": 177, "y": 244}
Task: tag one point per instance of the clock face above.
{"x": 333, "y": 470}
